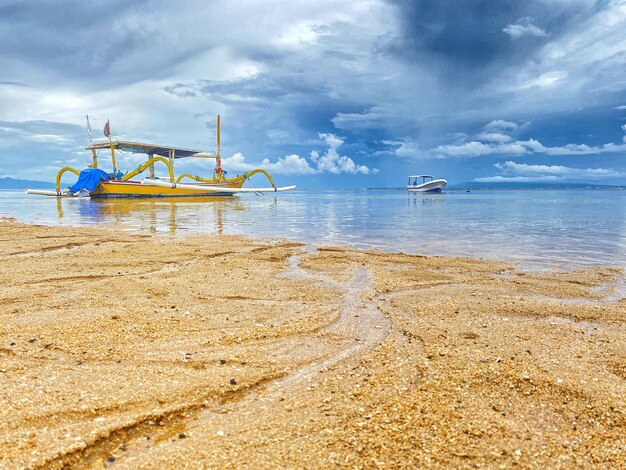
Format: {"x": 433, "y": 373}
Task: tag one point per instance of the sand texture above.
{"x": 141, "y": 351}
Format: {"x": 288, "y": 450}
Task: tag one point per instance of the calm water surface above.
{"x": 534, "y": 227}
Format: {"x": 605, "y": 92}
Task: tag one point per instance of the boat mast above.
{"x": 94, "y": 156}
{"x": 218, "y": 167}
{"x": 107, "y": 133}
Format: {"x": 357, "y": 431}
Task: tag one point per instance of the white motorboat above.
{"x": 427, "y": 185}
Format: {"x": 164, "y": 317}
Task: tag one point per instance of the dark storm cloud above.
{"x": 467, "y": 39}
{"x": 84, "y": 43}
{"x": 50, "y": 31}
{"x": 263, "y": 98}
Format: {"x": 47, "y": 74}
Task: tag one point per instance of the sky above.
{"x": 322, "y": 94}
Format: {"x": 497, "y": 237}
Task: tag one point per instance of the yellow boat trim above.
{"x": 60, "y": 173}
{"x": 141, "y": 168}
{"x": 236, "y": 179}
{"x": 136, "y": 189}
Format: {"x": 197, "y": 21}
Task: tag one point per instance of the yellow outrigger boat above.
{"x": 99, "y": 184}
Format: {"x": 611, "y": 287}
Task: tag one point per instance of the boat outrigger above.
{"x": 96, "y": 183}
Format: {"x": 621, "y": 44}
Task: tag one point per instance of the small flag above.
{"x": 107, "y": 129}
{"x": 89, "y": 131}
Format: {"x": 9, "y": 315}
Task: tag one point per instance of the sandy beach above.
{"x": 150, "y": 351}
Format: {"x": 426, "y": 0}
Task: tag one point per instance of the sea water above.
{"x": 537, "y": 228}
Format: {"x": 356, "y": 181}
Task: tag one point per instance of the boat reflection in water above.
{"x": 173, "y": 215}
{"x": 432, "y": 198}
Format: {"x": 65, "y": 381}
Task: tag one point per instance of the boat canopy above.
{"x": 421, "y": 176}
{"x": 150, "y": 149}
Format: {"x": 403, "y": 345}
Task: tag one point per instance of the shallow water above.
{"x": 539, "y": 228}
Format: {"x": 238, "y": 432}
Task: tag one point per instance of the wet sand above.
{"x": 124, "y": 350}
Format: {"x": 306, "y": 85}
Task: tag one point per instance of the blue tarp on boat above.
{"x": 89, "y": 179}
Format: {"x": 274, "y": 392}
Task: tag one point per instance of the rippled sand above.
{"x": 122, "y": 350}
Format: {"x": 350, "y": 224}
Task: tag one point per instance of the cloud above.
{"x": 544, "y": 80}
{"x": 573, "y": 149}
{"x": 559, "y": 170}
{"x": 287, "y": 165}
{"x": 477, "y": 149}
{"x": 522, "y": 147}
{"x": 281, "y": 77}
{"x": 524, "y": 27}
{"x": 371, "y": 119}
{"x": 521, "y": 172}
{"x": 414, "y": 72}
{"x": 55, "y": 134}
{"x": 518, "y": 179}
{"x": 406, "y": 148}
{"x": 9, "y": 83}
{"x": 333, "y": 162}
{"x": 496, "y": 131}
{"x": 621, "y": 108}
{"x": 490, "y": 143}
{"x": 329, "y": 162}
{"x": 494, "y": 137}
{"x": 500, "y": 125}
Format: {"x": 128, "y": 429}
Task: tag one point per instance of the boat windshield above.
{"x": 413, "y": 180}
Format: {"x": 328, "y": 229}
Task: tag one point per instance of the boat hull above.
{"x": 434, "y": 186}
{"x": 134, "y": 189}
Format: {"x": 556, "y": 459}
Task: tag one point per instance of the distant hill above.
{"x": 11, "y": 183}
{"x": 520, "y": 185}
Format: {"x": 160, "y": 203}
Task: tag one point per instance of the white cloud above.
{"x": 494, "y": 137}
{"x": 333, "y": 162}
{"x": 500, "y": 125}
{"x": 621, "y": 108}
{"x": 497, "y": 143}
{"x": 518, "y": 179}
{"x": 299, "y": 34}
{"x": 407, "y": 149}
{"x": 522, "y": 147}
{"x": 372, "y": 119}
{"x": 558, "y": 170}
{"x": 287, "y": 165}
{"x": 477, "y": 149}
{"x": 524, "y": 27}
{"x": 277, "y": 135}
{"x": 522, "y": 172}
{"x": 544, "y": 80}
{"x": 237, "y": 162}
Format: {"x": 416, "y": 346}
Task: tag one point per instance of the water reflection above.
{"x": 426, "y": 198}
{"x": 542, "y": 227}
{"x": 153, "y": 215}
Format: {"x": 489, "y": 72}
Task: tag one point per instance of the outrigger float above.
{"x": 96, "y": 183}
